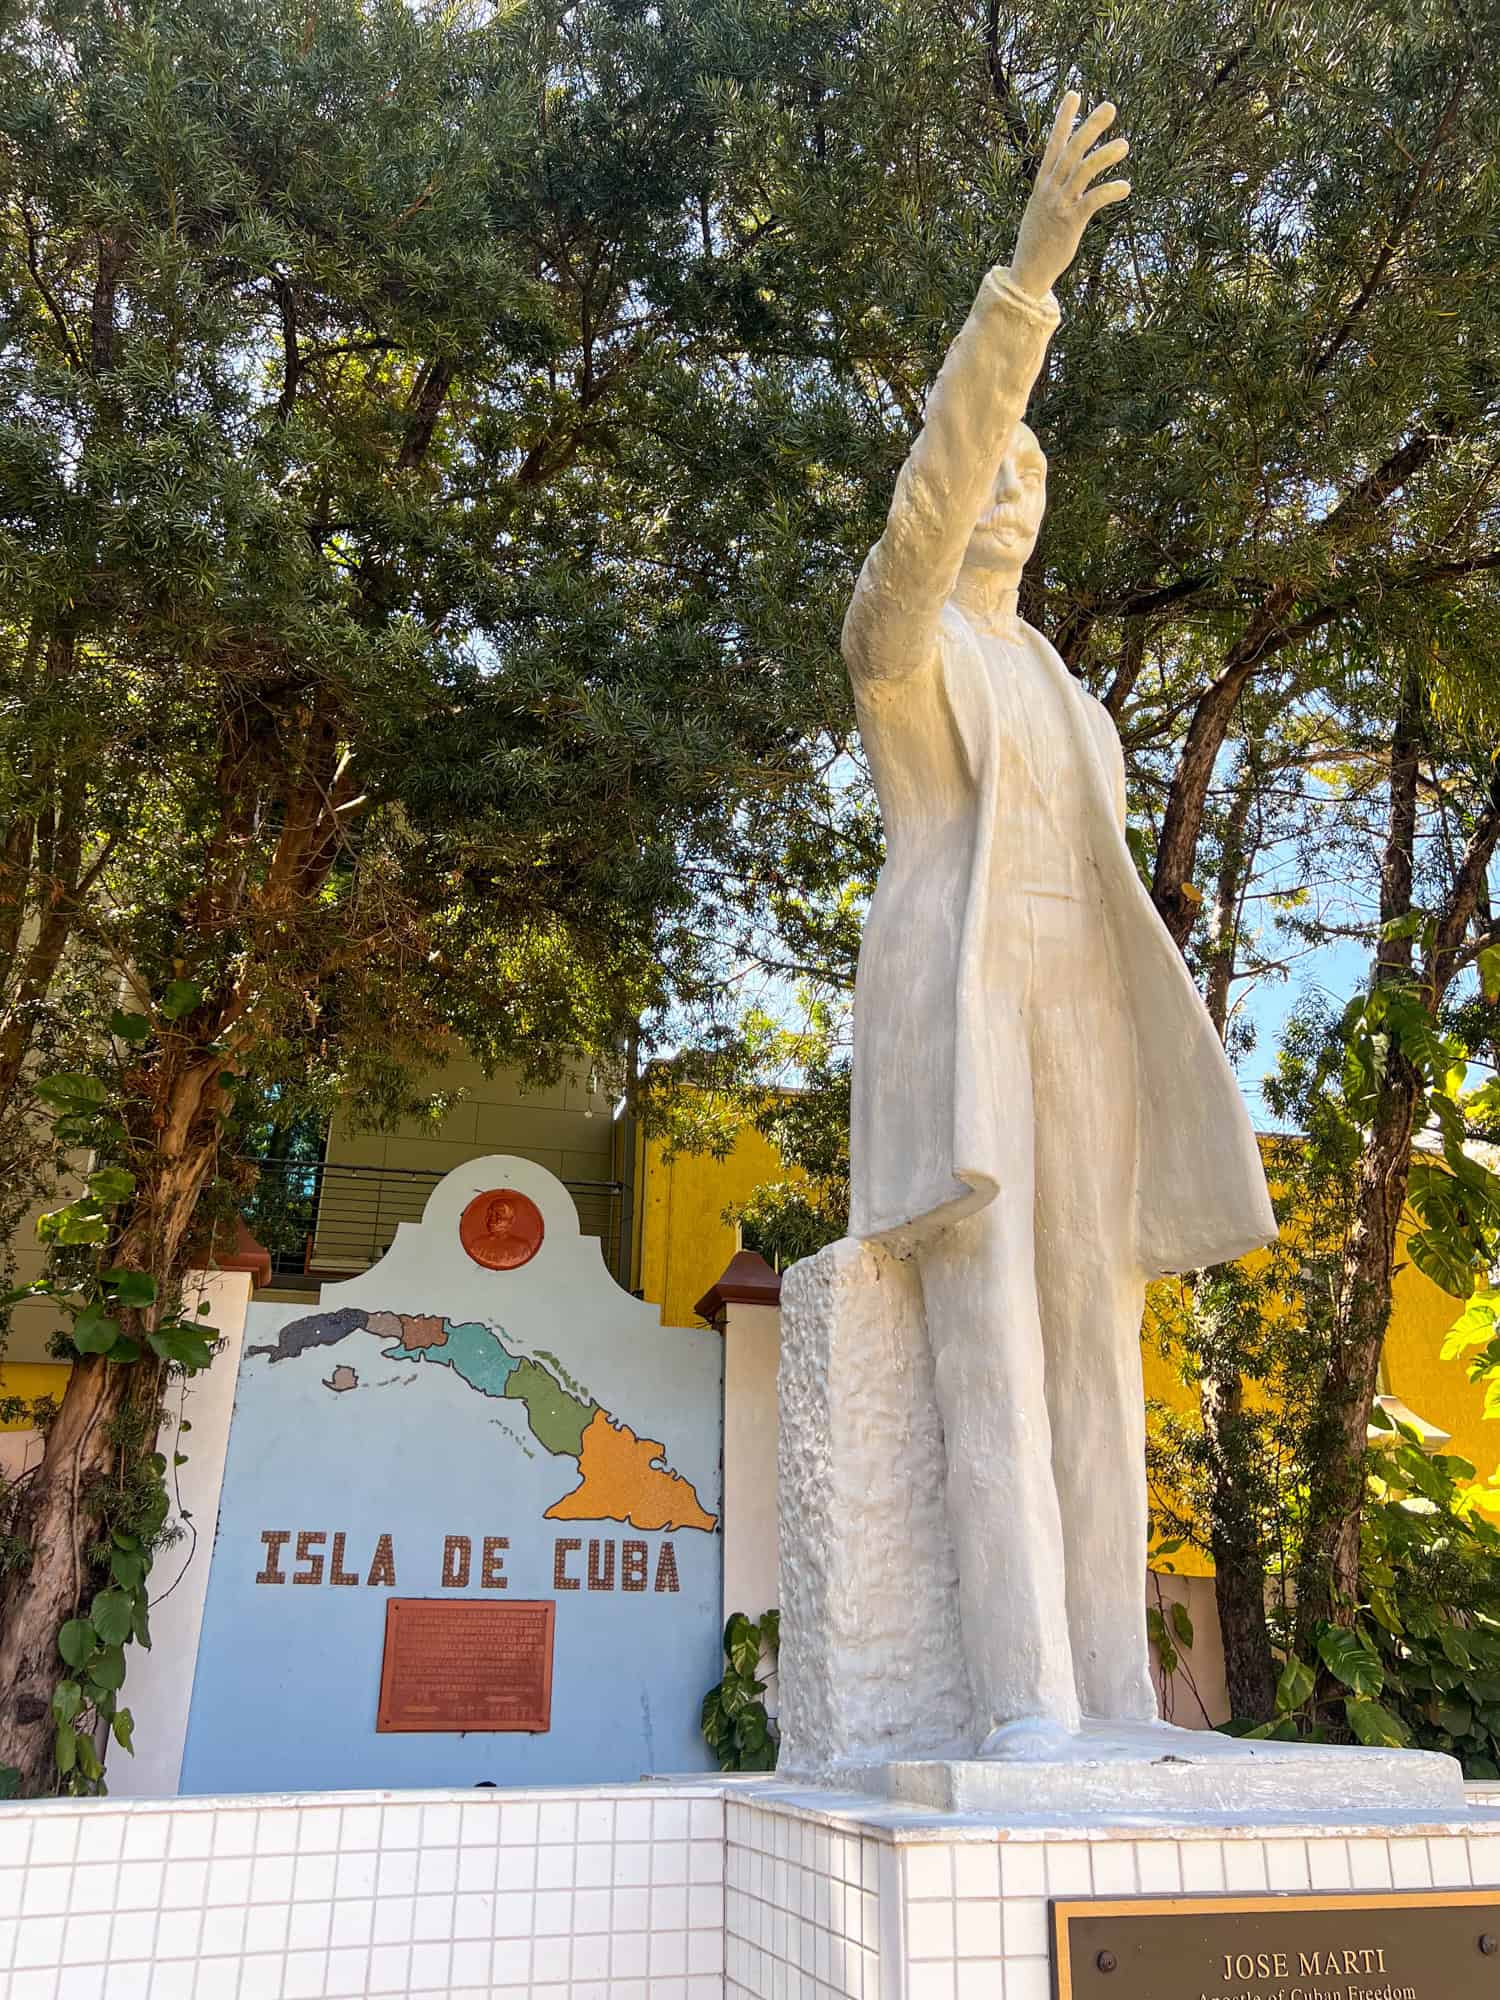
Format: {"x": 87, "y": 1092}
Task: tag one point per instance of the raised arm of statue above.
{"x": 980, "y": 395}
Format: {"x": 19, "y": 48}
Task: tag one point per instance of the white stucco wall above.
{"x": 159, "y": 1683}
{"x": 751, "y": 1347}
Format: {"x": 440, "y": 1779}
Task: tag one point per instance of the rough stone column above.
{"x": 871, "y": 1666}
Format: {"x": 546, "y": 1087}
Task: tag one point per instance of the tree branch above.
{"x": 1399, "y": 224}
{"x": 33, "y": 264}
{"x": 1468, "y": 889}
{"x": 425, "y": 405}
{"x": 102, "y": 329}
{"x": 292, "y": 367}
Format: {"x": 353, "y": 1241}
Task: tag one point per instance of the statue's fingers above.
{"x": 1103, "y": 196}
{"x": 1062, "y": 125}
{"x": 1099, "y": 120}
{"x": 1096, "y": 162}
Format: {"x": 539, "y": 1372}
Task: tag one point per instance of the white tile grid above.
{"x": 589, "y": 1897}
{"x": 975, "y": 1917}
{"x": 802, "y": 1908}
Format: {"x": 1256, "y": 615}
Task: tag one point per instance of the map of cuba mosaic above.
{"x": 620, "y": 1475}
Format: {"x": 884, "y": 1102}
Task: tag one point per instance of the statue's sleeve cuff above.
{"x": 1002, "y": 287}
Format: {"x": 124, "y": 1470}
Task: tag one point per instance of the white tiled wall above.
{"x": 610, "y": 1894}
{"x": 974, "y": 1910}
{"x": 802, "y": 1907}
{"x": 650, "y": 1892}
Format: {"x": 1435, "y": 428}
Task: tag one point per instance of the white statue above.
{"x": 1043, "y": 1116}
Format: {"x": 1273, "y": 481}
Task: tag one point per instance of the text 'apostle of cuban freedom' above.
{"x": 1043, "y": 1114}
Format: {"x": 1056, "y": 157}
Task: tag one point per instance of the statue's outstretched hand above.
{"x": 1064, "y": 196}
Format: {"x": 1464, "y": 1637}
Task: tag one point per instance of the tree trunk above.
{"x": 15, "y": 885}
{"x": 18, "y": 1026}
{"x": 176, "y": 1119}
{"x": 56, "y": 1520}
{"x": 1182, "y": 822}
{"x": 1337, "y": 1439}
{"x": 1238, "y": 1556}
{"x": 58, "y": 1517}
{"x": 1234, "y": 1525}
{"x": 1224, "y": 920}
{"x": 50, "y": 843}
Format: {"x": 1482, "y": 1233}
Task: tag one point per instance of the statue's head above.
{"x": 1006, "y": 532}
{"x": 499, "y": 1216}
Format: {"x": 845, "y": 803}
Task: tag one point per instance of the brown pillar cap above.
{"x": 748, "y": 1280}
{"x": 246, "y": 1255}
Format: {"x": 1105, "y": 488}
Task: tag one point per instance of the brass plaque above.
{"x": 1428, "y": 1944}
{"x": 459, "y": 1663}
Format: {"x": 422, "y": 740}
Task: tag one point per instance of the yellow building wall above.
{"x": 20, "y": 1444}
{"x": 684, "y": 1240}
{"x": 1438, "y": 1391}
{"x": 1412, "y": 1369}
{"x": 684, "y": 1244}
{"x": 32, "y": 1379}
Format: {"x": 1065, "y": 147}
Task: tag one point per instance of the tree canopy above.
{"x": 437, "y": 447}
{"x": 381, "y": 650}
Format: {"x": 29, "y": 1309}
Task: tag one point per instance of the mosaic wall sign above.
{"x": 483, "y": 1419}
{"x": 1432, "y": 1944}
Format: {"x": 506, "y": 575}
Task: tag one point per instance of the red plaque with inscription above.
{"x": 456, "y": 1664}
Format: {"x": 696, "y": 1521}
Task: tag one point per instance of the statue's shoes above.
{"x": 1032, "y": 1739}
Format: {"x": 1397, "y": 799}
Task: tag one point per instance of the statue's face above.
{"x": 1006, "y": 532}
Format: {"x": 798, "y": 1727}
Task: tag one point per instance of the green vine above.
{"x": 734, "y": 1719}
{"x": 113, "y": 1313}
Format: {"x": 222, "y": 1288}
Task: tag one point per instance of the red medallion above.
{"x": 502, "y": 1229}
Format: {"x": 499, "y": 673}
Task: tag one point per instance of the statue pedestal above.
{"x": 828, "y": 1893}
{"x": 1183, "y": 1773}
{"x": 870, "y": 1664}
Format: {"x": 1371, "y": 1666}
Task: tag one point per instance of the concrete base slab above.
{"x": 1153, "y": 1768}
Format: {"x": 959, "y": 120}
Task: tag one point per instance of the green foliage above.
{"x": 1358, "y": 1679}
{"x": 733, "y": 1718}
{"x": 1169, "y": 1627}
{"x": 1371, "y": 1723}
{"x": 111, "y": 1312}
{"x": 425, "y": 523}
{"x": 1351, "y": 1661}
{"x": 1430, "y": 1564}
{"x": 1454, "y": 1198}
{"x": 1295, "y": 1686}
{"x": 1420, "y": 1664}
{"x": 413, "y": 558}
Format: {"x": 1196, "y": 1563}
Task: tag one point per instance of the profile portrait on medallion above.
{"x": 501, "y": 1229}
